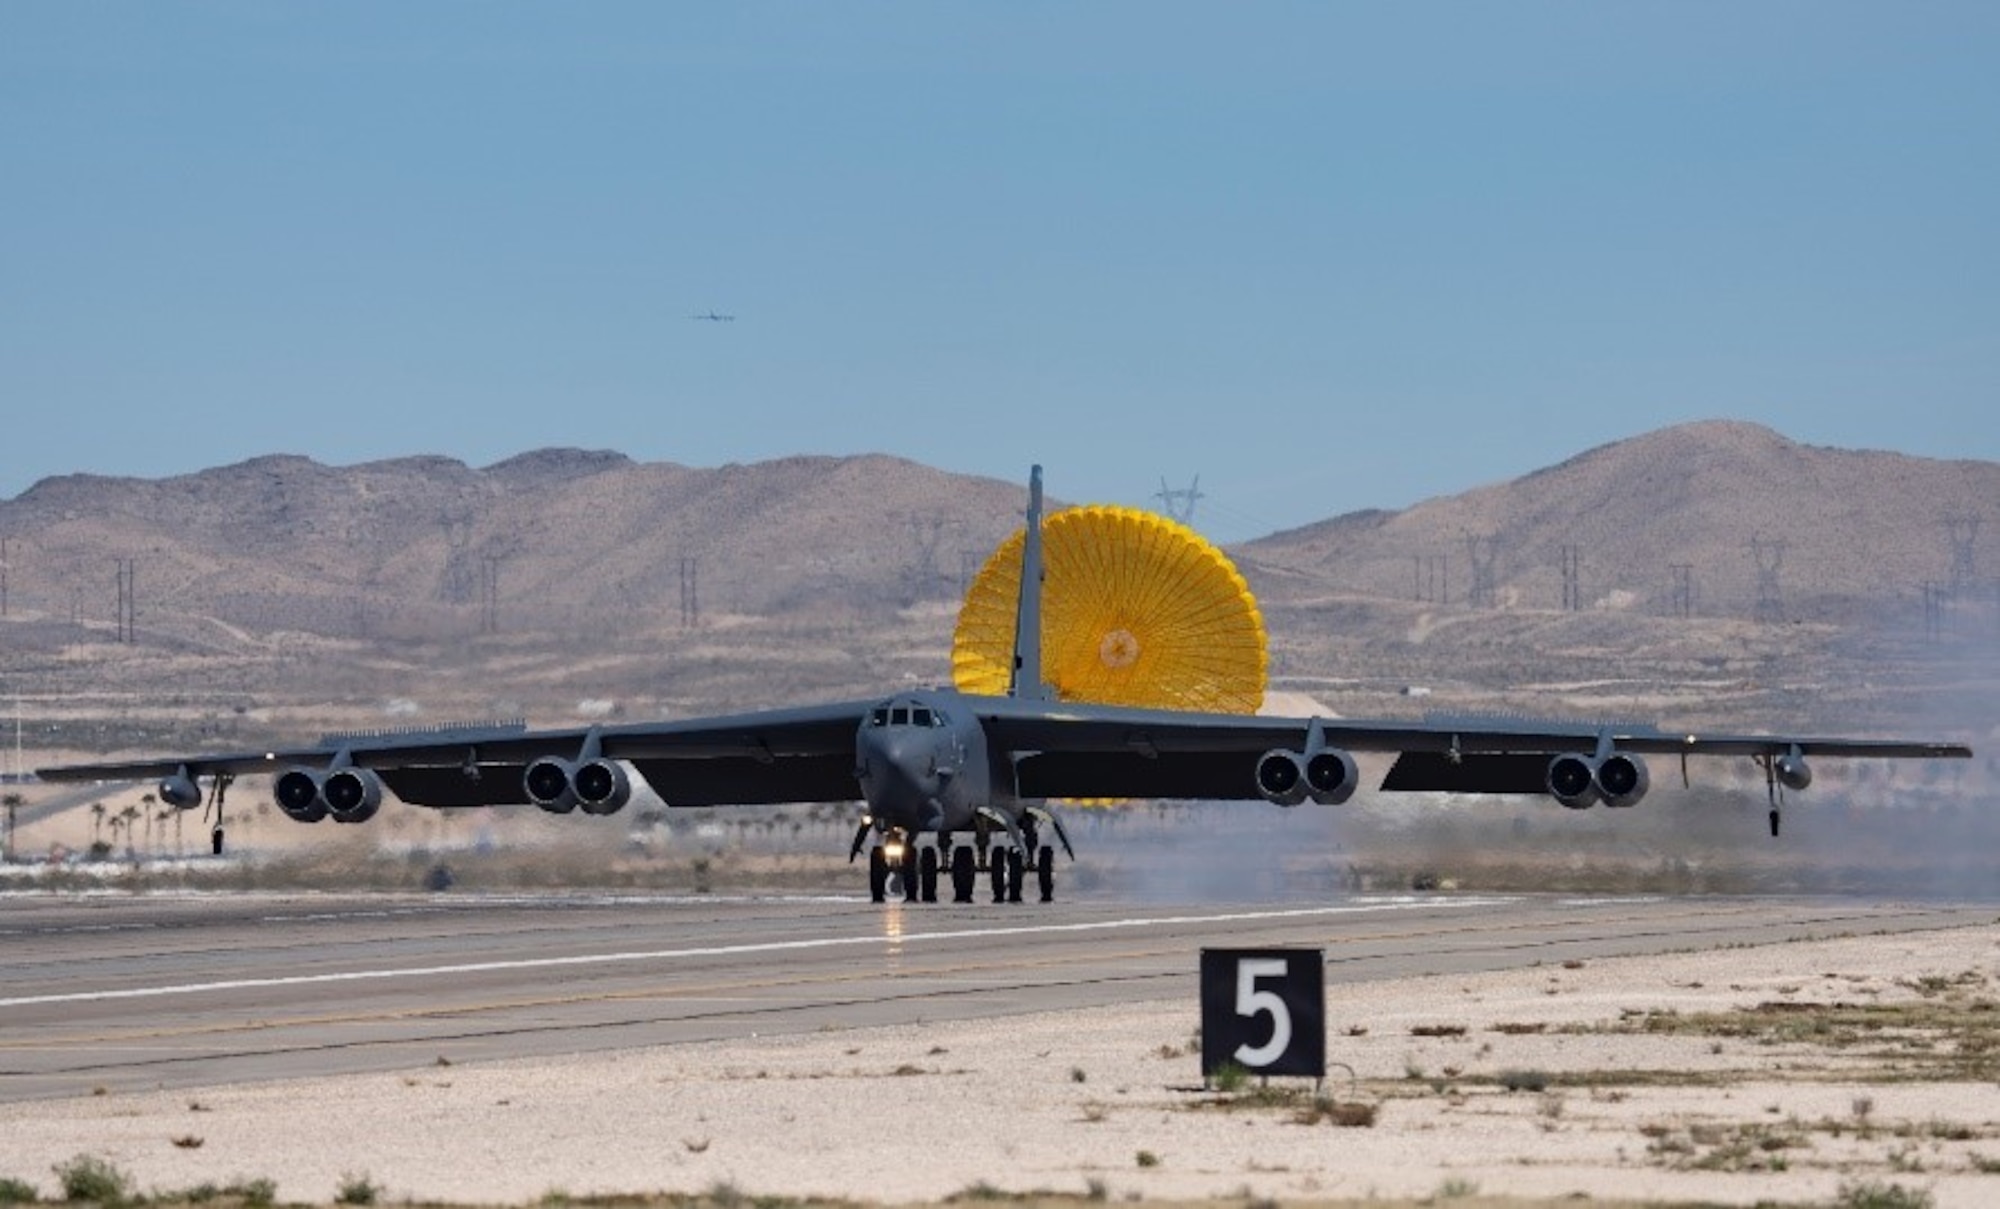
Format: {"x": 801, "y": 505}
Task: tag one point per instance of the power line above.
{"x": 489, "y": 595}
{"x": 1572, "y": 576}
{"x": 1683, "y": 588}
{"x": 1934, "y": 597}
{"x": 1433, "y": 578}
{"x": 1963, "y": 533}
{"x": 1770, "y": 556}
{"x": 690, "y": 600}
{"x": 1483, "y": 549}
{"x": 128, "y": 604}
{"x": 1178, "y": 502}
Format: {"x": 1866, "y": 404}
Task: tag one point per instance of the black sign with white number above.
{"x": 1263, "y": 1010}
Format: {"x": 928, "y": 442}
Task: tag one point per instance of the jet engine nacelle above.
{"x": 1622, "y": 779}
{"x": 179, "y": 791}
{"x": 298, "y": 794}
{"x": 352, "y": 795}
{"x": 1793, "y": 771}
{"x": 1331, "y": 776}
{"x": 1573, "y": 781}
{"x": 551, "y": 784}
{"x": 1281, "y": 777}
{"x": 1580, "y": 782}
{"x": 602, "y": 787}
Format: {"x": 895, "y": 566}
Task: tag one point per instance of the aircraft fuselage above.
{"x": 923, "y": 765}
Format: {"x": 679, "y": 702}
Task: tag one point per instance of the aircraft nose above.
{"x": 902, "y": 766}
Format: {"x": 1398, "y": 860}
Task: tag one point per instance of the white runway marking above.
{"x": 776, "y": 946}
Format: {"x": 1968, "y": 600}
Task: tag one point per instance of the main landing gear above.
{"x": 915, "y": 869}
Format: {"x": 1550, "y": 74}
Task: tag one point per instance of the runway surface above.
{"x": 125, "y": 993}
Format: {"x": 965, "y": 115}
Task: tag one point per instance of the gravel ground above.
{"x": 1110, "y": 1101}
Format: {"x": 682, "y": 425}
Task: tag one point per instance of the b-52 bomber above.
{"x": 931, "y": 767}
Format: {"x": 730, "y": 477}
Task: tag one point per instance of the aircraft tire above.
{"x": 878, "y": 874}
{"x": 927, "y": 872}
{"x": 962, "y": 874}
{"x": 1016, "y": 869}
{"x": 996, "y": 863}
{"x": 909, "y": 871}
{"x": 1045, "y": 872}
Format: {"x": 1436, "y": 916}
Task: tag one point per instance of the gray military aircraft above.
{"x": 936, "y": 764}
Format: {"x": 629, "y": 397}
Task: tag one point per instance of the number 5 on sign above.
{"x": 1263, "y": 1010}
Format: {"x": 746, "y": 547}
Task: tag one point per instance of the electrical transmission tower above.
{"x": 690, "y": 600}
{"x": 128, "y": 603}
{"x": 456, "y": 522}
{"x": 1483, "y": 549}
{"x": 924, "y": 575}
{"x": 1572, "y": 573}
{"x": 1770, "y": 556}
{"x": 1934, "y": 598}
{"x": 1178, "y": 502}
{"x": 1433, "y": 578}
{"x": 1683, "y": 589}
{"x": 489, "y": 594}
{"x": 1963, "y": 532}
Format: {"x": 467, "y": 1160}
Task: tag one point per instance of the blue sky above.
{"x": 1326, "y": 256}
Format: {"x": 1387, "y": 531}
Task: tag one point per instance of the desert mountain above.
{"x": 1835, "y": 531}
{"x": 570, "y": 539}
{"x": 559, "y": 538}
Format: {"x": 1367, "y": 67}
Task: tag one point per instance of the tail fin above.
{"x": 1027, "y": 678}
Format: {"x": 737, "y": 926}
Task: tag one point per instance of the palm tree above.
{"x": 97, "y": 822}
{"x": 13, "y": 803}
{"x": 146, "y": 808}
{"x": 131, "y": 815}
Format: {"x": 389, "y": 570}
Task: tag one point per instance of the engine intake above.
{"x": 1572, "y": 781}
{"x": 1622, "y": 779}
{"x": 1331, "y": 776}
{"x": 1793, "y": 771}
{"x": 352, "y": 795}
{"x": 551, "y": 784}
{"x": 1281, "y": 777}
{"x": 602, "y": 787}
{"x": 298, "y": 795}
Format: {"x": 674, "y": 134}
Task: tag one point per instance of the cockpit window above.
{"x": 879, "y": 716}
{"x": 921, "y": 716}
{"x": 899, "y": 716}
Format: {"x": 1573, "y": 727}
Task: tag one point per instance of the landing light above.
{"x": 893, "y": 850}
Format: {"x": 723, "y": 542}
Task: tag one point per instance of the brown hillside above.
{"x": 575, "y": 540}
{"x": 1859, "y": 529}
{"x": 279, "y": 597}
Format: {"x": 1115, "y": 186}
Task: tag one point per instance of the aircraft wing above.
{"x": 1074, "y": 750}
{"x": 786, "y": 755}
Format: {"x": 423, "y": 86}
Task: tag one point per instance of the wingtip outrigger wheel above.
{"x": 1772, "y": 788}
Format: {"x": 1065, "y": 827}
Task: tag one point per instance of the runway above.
{"x": 133, "y": 993}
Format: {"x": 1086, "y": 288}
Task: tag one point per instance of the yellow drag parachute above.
{"x": 1137, "y": 610}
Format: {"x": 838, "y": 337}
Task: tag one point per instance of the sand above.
{"x": 1110, "y": 1101}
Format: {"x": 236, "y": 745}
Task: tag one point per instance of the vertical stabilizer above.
{"x": 1027, "y": 679}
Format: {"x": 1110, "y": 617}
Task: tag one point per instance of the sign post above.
{"x": 1263, "y": 1011}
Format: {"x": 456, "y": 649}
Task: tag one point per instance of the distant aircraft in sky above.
{"x": 712, "y": 317}
{"x": 932, "y": 765}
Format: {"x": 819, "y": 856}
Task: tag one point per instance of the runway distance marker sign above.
{"x": 1264, "y": 1010}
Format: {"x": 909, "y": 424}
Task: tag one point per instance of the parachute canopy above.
{"x": 1137, "y": 610}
